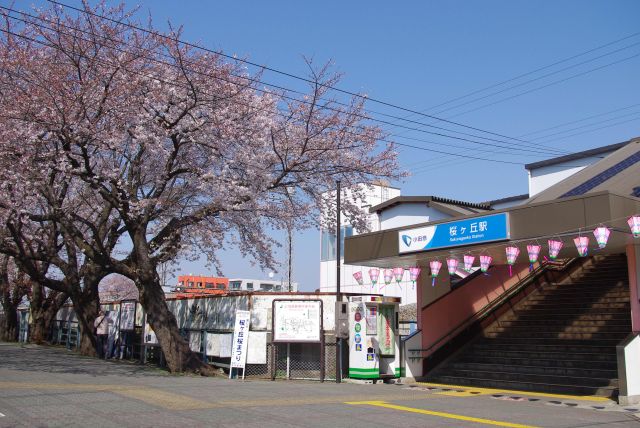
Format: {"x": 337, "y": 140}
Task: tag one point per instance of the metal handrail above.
{"x": 482, "y": 313}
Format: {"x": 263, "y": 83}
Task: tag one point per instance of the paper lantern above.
{"x": 582, "y": 244}
{"x": 398, "y": 274}
{"x": 435, "y": 266}
{"x": 452, "y": 266}
{"x": 388, "y": 276}
{"x": 512, "y": 255}
{"x": 374, "y": 273}
{"x": 485, "y": 262}
{"x": 634, "y": 225}
{"x": 534, "y": 251}
{"x": 468, "y": 262}
{"x": 358, "y": 277}
{"x": 414, "y": 272}
{"x": 554, "y": 248}
{"x": 602, "y": 236}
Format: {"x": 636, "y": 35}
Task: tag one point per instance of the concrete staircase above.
{"x": 560, "y": 339}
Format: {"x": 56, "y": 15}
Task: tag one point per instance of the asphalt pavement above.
{"x": 50, "y": 387}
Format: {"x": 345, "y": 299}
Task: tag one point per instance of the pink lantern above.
{"x": 634, "y": 225}
{"x": 534, "y": 252}
{"x": 554, "y": 248}
{"x": 414, "y": 272}
{"x": 398, "y": 272}
{"x": 602, "y": 236}
{"x": 485, "y": 262}
{"x": 468, "y": 262}
{"x": 374, "y": 273}
{"x": 435, "y": 266}
{"x": 358, "y": 277}
{"x": 582, "y": 244}
{"x": 512, "y": 255}
{"x": 388, "y": 276}
{"x": 452, "y": 265}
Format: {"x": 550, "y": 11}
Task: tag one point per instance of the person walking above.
{"x": 102, "y": 331}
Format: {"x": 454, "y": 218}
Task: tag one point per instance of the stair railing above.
{"x": 486, "y": 310}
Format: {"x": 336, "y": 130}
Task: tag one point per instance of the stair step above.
{"x": 581, "y": 372}
{"x": 534, "y": 378}
{"x": 606, "y": 337}
{"x": 542, "y": 360}
{"x": 522, "y": 323}
{"x": 534, "y": 329}
{"x": 605, "y": 391}
{"x": 572, "y": 305}
{"x": 549, "y": 345}
{"x": 546, "y": 298}
{"x": 612, "y": 316}
{"x": 541, "y": 355}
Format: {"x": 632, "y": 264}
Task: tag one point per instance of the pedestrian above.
{"x": 102, "y": 332}
{"x": 111, "y": 335}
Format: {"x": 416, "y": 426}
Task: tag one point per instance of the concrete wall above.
{"x": 409, "y": 214}
{"x": 441, "y": 317}
{"x": 546, "y": 176}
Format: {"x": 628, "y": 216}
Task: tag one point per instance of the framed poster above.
{"x": 128, "y": 315}
{"x": 297, "y": 321}
{"x": 371, "y": 319}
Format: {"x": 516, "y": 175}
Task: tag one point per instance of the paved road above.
{"x": 41, "y": 386}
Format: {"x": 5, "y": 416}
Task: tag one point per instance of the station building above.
{"x": 566, "y": 321}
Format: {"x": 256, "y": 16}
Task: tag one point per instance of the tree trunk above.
{"x": 9, "y": 330}
{"x": 175, "y": 348}
{"x": 86, "y": 305}
{"x": 43, "y": 315}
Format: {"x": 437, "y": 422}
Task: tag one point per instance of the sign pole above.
{"x": 338, "y": 296}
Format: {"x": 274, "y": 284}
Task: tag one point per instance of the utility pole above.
{"x": 338, "y": 296}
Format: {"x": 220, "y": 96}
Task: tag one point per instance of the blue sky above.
{"x": 419, "y": 54}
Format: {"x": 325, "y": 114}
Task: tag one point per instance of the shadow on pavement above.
{"x": 58, "y": 360}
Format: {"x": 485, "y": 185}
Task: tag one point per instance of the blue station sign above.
{"x": 471, "y": 231}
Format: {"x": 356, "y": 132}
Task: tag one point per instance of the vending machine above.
{"x": 374, "y": 344}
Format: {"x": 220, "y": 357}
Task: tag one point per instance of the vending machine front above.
{"x": 373, "y": 337}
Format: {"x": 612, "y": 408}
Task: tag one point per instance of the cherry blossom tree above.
{"x": 12, "y": 291}
{"x": 189, "y": 153}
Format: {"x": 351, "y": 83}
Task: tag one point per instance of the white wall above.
{"x": 545, "y": 177}
{"x": 409, "y": 214}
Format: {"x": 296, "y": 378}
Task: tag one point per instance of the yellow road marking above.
{"x": 488, "y": 391}
{"x": 440, "y": 414}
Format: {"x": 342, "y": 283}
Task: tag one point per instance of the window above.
{"x": 249, "y": 285}
{"x": 219, "y": 286}
{"x": 266, "y": 287}
{"x": 210, "y": 285}
{"x": 235, "y": 285}
{"x": 190, "y": 283}
{"x": 328, "y": 243}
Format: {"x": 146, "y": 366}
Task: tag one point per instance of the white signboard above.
{"x": 240, "y": 340}
{"x": 225, "y": 345}
{"x": 128, "y": 316}
{"x": 297, "y": 321}
{"x": 195, "y": 341}
{"x": 149, "y": 335}
{"x": 257, "y": 353}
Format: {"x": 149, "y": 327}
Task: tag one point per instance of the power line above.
{"x": 537, "y": 78}
{"x": 549, "y": 84}
{"x": 532, "y": 72}
{"x": 578, "y": 121}
{"x": 284, "y": 73}
{"x": 510, "y": 147}
{"x": 544, "y": 137}
{"x": 595, "y": 129}
{"x": 285, "y": 116}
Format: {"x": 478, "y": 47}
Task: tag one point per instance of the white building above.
{"x": 246, "y": 284}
